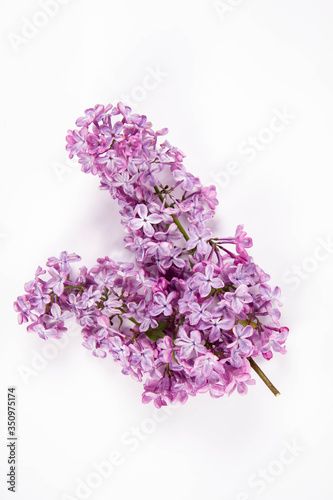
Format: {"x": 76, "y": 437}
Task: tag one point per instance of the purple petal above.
{"x": 142, "y": 211}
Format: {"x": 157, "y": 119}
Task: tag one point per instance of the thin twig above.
{"x": 263, "y": 377}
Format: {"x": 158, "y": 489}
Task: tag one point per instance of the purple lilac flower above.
{"x": 189, "y": 343}
{"x": 94, "y": 346}
{"x": 242, "y": 241}
{"x": 240, "y": 381}
{"x": 206, "y": 281}
{"x": 119, "y": 350}
{"x": 174, "y": 260}
{"x": 144, "y": 357}
{"x": 198, "y": 239}
{"x": 241, "y": 346}
{"x": 46, "y": 333}
{"x": 63, "y": 263}
{"x": 165, "y": 347}
{"x": 276, "y": 341}
{"x": 112, "y": 305}
{"x": 89, "y": 297}
{"x": 22, "y": 306}
{"x": 185, "y": 179}
{"x": 238, "y": 298}
{"x": 57, "y": 316}
{"x": 199, "y": 312}
{"x": 162, "y": 304}
{"x": 268, "y": 295}
{"x": 206, "y": 364}
{"x": 144, "y": 220}
{"x": 57, "y": 281}
{"x": 147, "y": 322}
{"x": 226, "y": 314}
{"x": 216, "y": 325}
{"x": 39, "y": 299}
{"x": 28, "y": 287}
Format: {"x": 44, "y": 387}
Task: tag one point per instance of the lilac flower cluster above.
{"x": 195, "y": 310}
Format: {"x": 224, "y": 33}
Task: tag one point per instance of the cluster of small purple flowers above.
{"x": 195, "y": 310}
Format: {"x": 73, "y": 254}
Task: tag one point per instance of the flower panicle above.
{"x": 194, "y": 310}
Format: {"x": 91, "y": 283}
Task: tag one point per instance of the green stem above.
{"x": 176, "y": 221}
{"x": 263, "y": 377}
{"x": 131, "y": 319}
{"x": 180, "y": 227}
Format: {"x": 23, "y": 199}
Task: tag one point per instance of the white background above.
{"x": 223, "y": 74}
